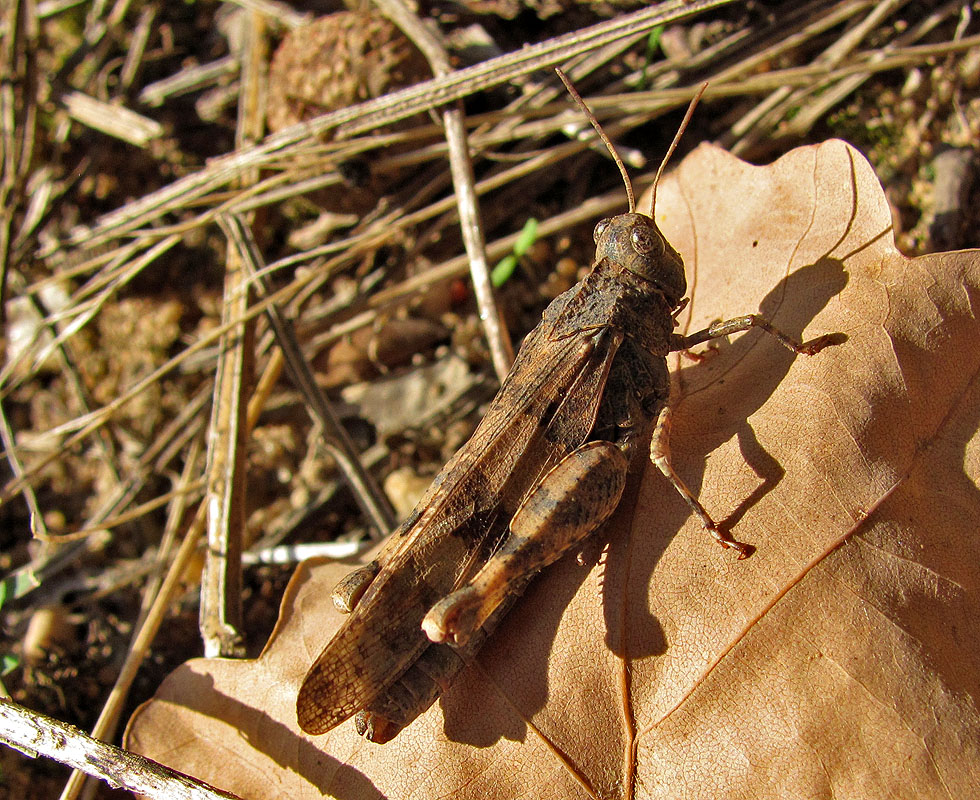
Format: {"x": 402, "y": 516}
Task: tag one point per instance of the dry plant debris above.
{"x": 128, "y": 127}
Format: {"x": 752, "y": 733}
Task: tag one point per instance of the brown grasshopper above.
{"x": 544, "y": 469}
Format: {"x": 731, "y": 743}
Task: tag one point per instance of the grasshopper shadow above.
{"x": 740, "y": 377}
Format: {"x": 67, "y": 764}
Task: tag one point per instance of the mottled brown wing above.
{"x": 546, "y": 407}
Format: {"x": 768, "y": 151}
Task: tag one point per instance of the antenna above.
{"x": 605, "y": 139}
{"x": 673, "y": 145}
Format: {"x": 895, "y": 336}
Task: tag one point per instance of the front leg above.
{"x": 726, "y": 327}
{"x": 570, "y": 502}
{"x": 659, "y": 448}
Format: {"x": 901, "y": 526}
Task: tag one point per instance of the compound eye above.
{"x": 645, "y": 241}
{"x": 600, "y": 229}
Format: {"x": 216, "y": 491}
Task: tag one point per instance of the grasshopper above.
{"x": 544, "y": 469}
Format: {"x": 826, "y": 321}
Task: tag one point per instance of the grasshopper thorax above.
{"x": 635, "y": 244}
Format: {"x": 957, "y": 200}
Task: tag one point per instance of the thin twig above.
{"x": 191, "y": 78}
{"x": 113, "y": 120}
{"x": 35, "y": 734}
{"x": 498, "y": 339}
{"x": 221, "y": 583}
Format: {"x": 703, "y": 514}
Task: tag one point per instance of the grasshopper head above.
{"x": 634, "y": 242}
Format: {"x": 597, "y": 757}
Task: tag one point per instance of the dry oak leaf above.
{"x": 841, "y": 660}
